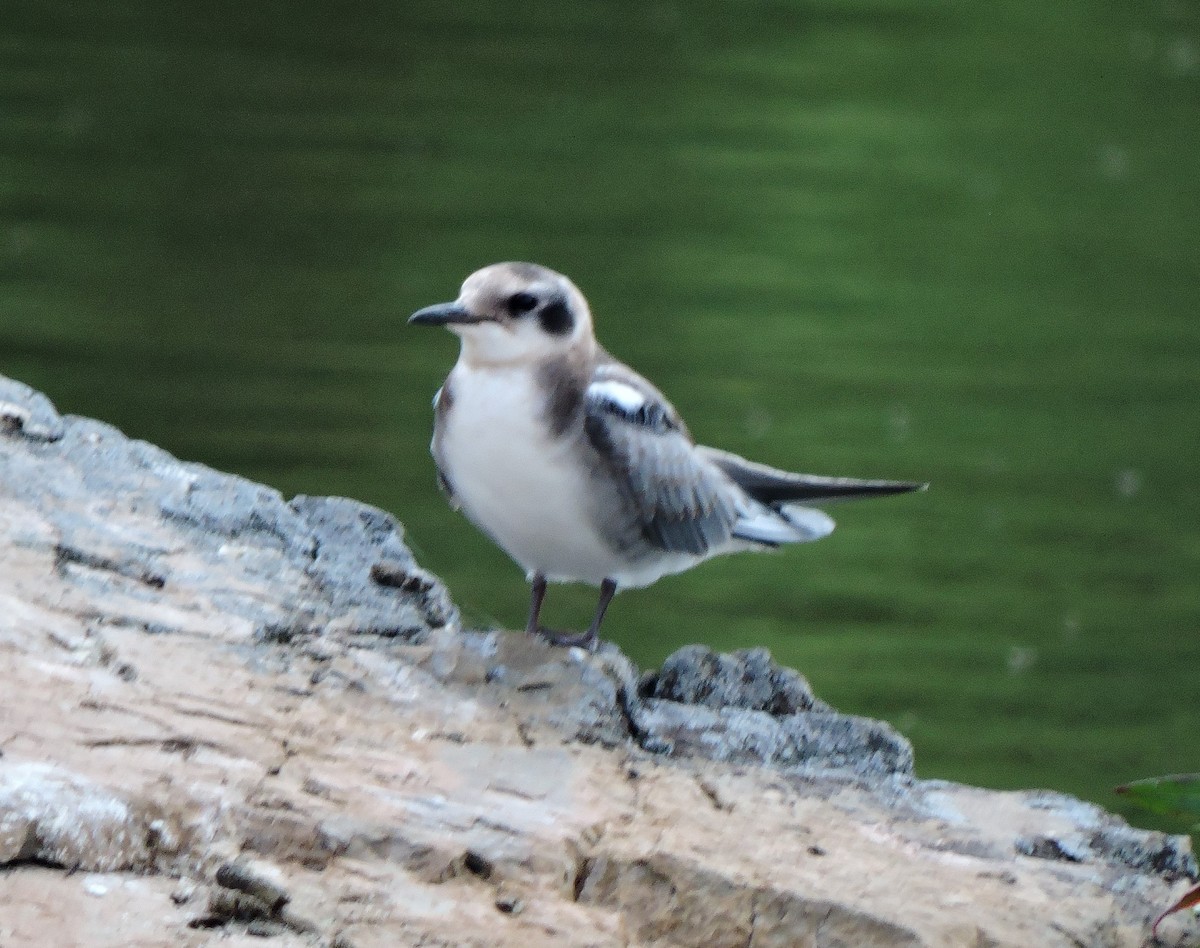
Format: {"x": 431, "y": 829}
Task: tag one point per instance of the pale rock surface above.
{"x": 228, "y": 717}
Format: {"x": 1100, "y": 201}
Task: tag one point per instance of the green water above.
{"x": 947, "y": 241}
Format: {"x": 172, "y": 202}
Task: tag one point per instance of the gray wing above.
{"x": 442, "y": 400}
{"x": 682, "y": 502}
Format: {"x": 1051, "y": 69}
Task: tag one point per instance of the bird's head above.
{"x": 513, "y": 312}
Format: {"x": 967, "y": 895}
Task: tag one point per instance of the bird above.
{"x": 579, "y": 468}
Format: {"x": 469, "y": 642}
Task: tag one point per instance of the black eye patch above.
{"x": 520, "y": 303}
{"x": 556, "y": 318}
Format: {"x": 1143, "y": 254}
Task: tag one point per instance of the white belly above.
{"x": 527, "y": 491}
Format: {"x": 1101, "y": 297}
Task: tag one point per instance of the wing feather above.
{"x": 442, "y": 401}
{"x": 769, "y": 485}
{"x": 683, "y": 503}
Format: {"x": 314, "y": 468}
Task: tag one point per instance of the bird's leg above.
{"x": 608, "y": 589}
{"x": 591, "y": 638}
{"x": 537, "y": 593}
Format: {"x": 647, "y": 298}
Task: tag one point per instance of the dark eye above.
{"x": 521, "y": 303}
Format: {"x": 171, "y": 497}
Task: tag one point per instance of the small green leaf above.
{"x": 1176, "y": 795}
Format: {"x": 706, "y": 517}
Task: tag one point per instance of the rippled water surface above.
{"x": 935, "y": 240}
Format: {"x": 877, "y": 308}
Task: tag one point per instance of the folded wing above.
{"x": 693, "y": 499}
{"x": 682, "y": 503}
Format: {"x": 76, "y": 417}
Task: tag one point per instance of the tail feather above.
{"x": 778, "y": 488}
{"x": 788, "y": 523}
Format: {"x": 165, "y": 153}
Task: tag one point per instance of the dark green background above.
{"x": 937, "y": 240}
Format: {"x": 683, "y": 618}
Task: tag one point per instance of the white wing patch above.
{"x": 625, "y": 397}
{"x": 791, "y": 524}
{"x": 437, "y": 397}
{"x": 811, "y": 524}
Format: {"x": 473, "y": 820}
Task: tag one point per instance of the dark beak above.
{"x": 444, "y": 314}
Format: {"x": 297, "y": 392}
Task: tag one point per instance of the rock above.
{"x": 682, "y": 903}
{"x": 128, "y": 520}
{"x": 745, "y": 708}
{"x": 238, "y": 715}
{"x": 747, "y": 679}
{"x": 53, "y": 817}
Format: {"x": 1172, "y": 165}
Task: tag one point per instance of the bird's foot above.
{"x": 589, "y": 639}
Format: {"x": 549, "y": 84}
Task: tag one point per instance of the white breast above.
{"x": 525, "y": 489}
